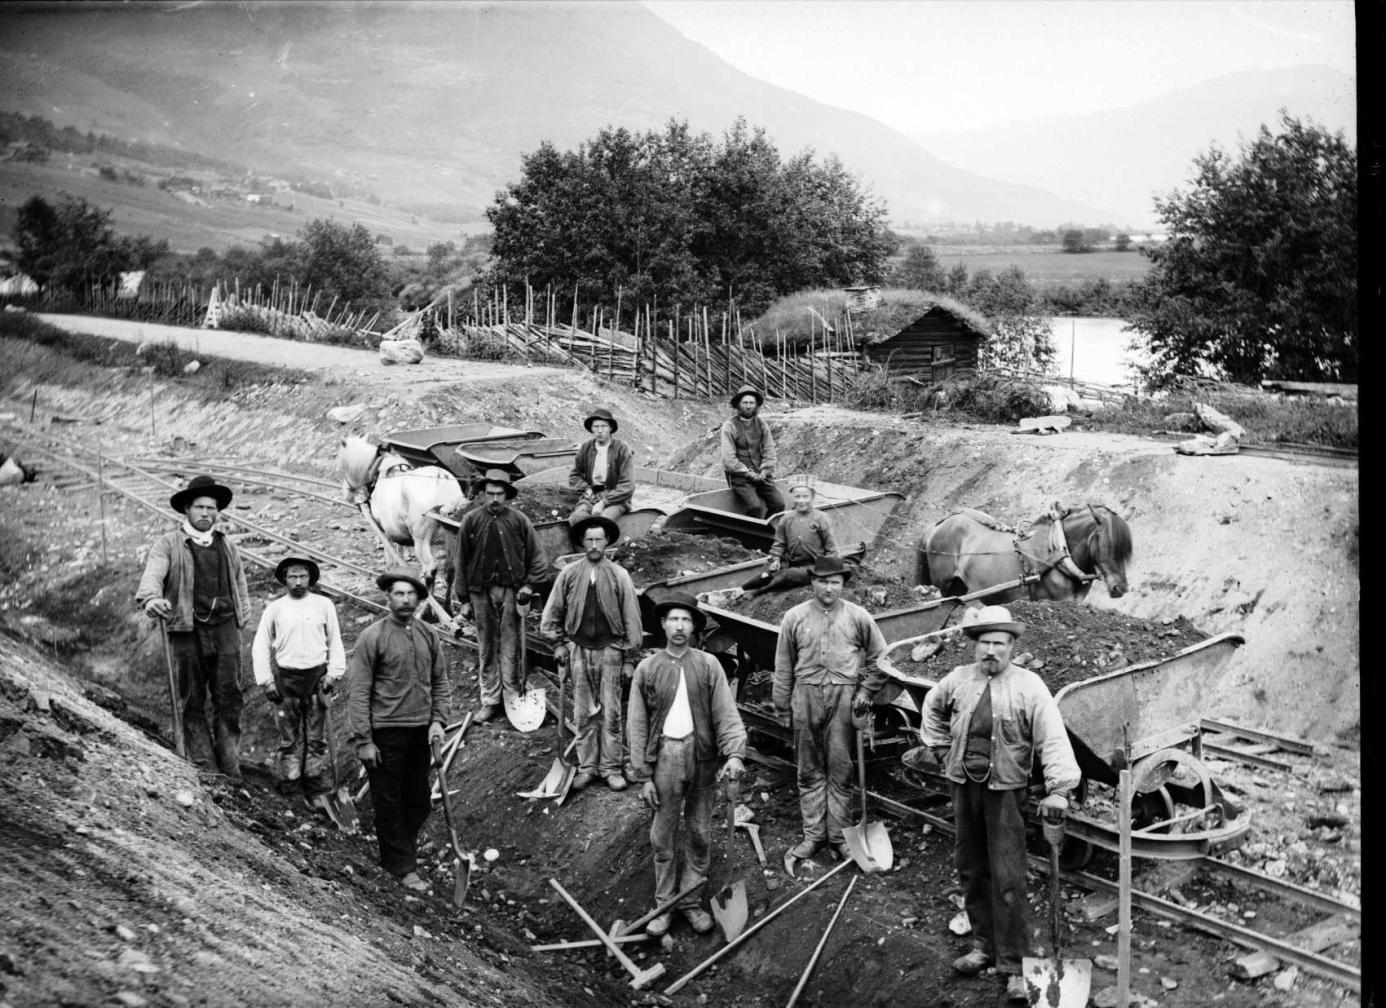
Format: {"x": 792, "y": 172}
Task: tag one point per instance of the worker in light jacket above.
{"x": 604, "y": 470}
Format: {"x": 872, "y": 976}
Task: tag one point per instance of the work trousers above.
{"x": 823, "y": 743}
{"x": 759, "y": 500}
{"x": 208, "y": 661}
{"x": 498, "y": 639}
{"x": 399, "y": 792}
{"x": 782, "y": 580}
{"x": 598, "y": 709}
{"x": 584, "y": 509}
{"x": 686, "y": 786}
{"x": 989, "y": 852}
{"x": 302, "y": 725}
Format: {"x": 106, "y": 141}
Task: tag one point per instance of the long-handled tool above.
{"x": 341, "y": 805}
{"x": 869, "y": 842}
{"x": 729, "y": 903}
{"x": 753, "y": 829}
{"x": 1057, "y": 982}
{"x": 813, "y": 959}
{"x": 639, "y": 977}
{"x": 526, "y": 708}
{"x": 174, "y": 698}
{"x": 559, "y": 779}
{"x": 449, "y": 747}
{"x": 466, "y": 861}
{"x": 620, "y": 928}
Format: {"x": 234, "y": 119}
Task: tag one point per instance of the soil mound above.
{"x": 659, "y": 556}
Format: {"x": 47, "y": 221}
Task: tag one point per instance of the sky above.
{"x": 924, "y": 66}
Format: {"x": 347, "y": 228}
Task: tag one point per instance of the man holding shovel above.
{"x": 682, "y": 721}
{"x": 398, "y": 701}
{"x": 827, "y": 669}
{"x": 986, "y": 723}
{"x": 299, "y": 638}
{"x": 195, "y": 582}
{"x": 593, "y": 609}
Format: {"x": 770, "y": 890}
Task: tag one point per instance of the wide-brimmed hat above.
{"x": 281, "y": 571}
{"x": 612, "y": 530}
{"x": 200, "y": 486}
{"x": 601, "y": 414}
{"x": 495, "y": 476}
{"x": 682, "y": 602}
{"x": 826, "y": 566}
{"x": 746, "y": 390}
{"x": 386, "y": 581}
{"x": 990, "y": 619}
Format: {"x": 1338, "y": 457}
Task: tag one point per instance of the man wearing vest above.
{"x": 683, "y": 721}
{"x": 802, "y": 536}
{"x": 749, "y": 456}
{"x": 604, "y": 470}
{"x": 593, "y": 611}
{"x": 498, "y": 559}
{"x": 985, "y": 724}
{"x": 194, "y": 581}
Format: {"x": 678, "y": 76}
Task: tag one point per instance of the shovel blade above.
{"x": 856, "y": 840}
{"x": 526, "y": 710}
{"x": 349, "y": 822}
{"x": 878, "y": 843}
{"x": 729, "y": 909}
{"x": 463, "y": 880}
{"x": 1062, "y": 983}
{"x": 552, "y": 784}
{"x": 569, "y": 772}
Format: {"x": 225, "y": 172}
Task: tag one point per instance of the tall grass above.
{"x": 1267, "y": 418}
{"x": 989, "y": 398}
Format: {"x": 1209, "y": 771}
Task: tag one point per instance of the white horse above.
{"x": 396, "y": 496}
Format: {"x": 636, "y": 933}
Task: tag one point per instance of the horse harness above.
{"x": 374, "y": 473}
{"x": 1058, "y": 547}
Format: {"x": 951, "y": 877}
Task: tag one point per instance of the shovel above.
{"x": 466, "y": 861}
{"x": 1057, "y": 982}
{"x": 175, "y": 701}
{"x": 729, "y": 903}
{"x": 559, "y": 779}
{"x": 342, "y": 808}
{"x": 869, "y": 842}
{"x": 525, "y": 711}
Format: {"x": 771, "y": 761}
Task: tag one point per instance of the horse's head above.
{"x": 356, "y": 456}
{"x": 1110, "y": 547}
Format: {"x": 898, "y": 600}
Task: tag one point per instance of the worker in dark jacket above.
{"x": 682, "y": 722}
{"x": 398, "y": 701}
{"x": 749, "y": 455}
{"x": 802, "y": 535}
{"x": 498, "y": 562}
{"x": 604, "y": 470}
{"x": 194, "y": 581}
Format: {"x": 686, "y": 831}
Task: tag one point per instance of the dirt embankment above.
{"x": 1259, "y": 546}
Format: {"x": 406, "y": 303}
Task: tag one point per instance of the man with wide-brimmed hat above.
{"x": 195, "y": 582}
{"x": 398, "y": 701}
{"x": 986, "y": 723}
{"x": 683, "y": 723}
{"x": 298, "y": 651}
{"x": 604, "y": 470}
{"x": 827, "y": 670}
{"x": 593, "y": 611}
{"x": 498, "y": 561}
{"x": 749, "y": 456}
{"x": 802, "y": 536}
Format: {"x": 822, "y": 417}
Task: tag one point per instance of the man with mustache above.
{"x": 682, "y": 721}
{"x": 986, "y": 723}
{"x": 749, "y": 455}
{"x": 398, "y": 701}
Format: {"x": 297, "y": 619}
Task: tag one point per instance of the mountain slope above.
{"x": 436, "y": 104}
{"x": 1118, "y": 158}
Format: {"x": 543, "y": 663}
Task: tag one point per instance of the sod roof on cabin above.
{"x": 900, "y": 307}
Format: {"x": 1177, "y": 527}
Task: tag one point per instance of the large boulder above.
{"x": 405, "y": 351}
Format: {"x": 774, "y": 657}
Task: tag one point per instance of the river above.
{"x": 1095, "y": 347}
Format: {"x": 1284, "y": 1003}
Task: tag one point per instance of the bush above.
{"x": 985, "y": 397}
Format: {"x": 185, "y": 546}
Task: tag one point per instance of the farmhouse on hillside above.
{"x": 939, "y": 343}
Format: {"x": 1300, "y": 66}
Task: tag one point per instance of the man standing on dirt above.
{"x": 682, "y": 721}
{"x": 195, "y": 583}
{"x": 498, "y": 559}
{"x": 985, "y": 723}
{"x": 300, "y": 639}
{"x": 827, "y": 670}
{"x": 749, "y": 456}
{"x": 398, "y": 701}
{"x": 593, "y": 611}
{"x": 802, "y": 536}
{"x": 604, "y": 470}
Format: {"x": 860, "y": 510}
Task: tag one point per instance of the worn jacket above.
{"x": 717, "y": 727}
{"x": 523, "y": 557}
{"x": 620, "y": 471}
{"x": 168, "y": 571}
{"x": 841, "y": 645}
{"x": 742, "y": 453}
{"x": 1025, "y": 722}
{"x": 397, "y": 680}
{"x": 801, "y": 539}
{"x": 567, "y": 603}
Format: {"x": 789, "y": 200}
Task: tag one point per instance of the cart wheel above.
{"x": 1153, "y": 807}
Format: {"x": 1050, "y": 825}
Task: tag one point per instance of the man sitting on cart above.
{"x": 604, "y": 470}
{"x": 986, "y": 723}
{"x": 749, "y": 455}
{"x": 802, "y": 536}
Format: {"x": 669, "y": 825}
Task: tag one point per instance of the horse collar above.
{"x": 1058, "y": 542}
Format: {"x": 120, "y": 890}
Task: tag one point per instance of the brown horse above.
{"x": 1068, "y": 548}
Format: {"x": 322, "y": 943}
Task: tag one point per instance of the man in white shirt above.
{"x": 299, "y": 637}
{"x": 603, "y": 469}
{"x": 682, "y": 722}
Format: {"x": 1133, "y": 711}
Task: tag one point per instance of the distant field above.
{"x": 1048, "y": 264}
{"x": 219, "y": 225}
